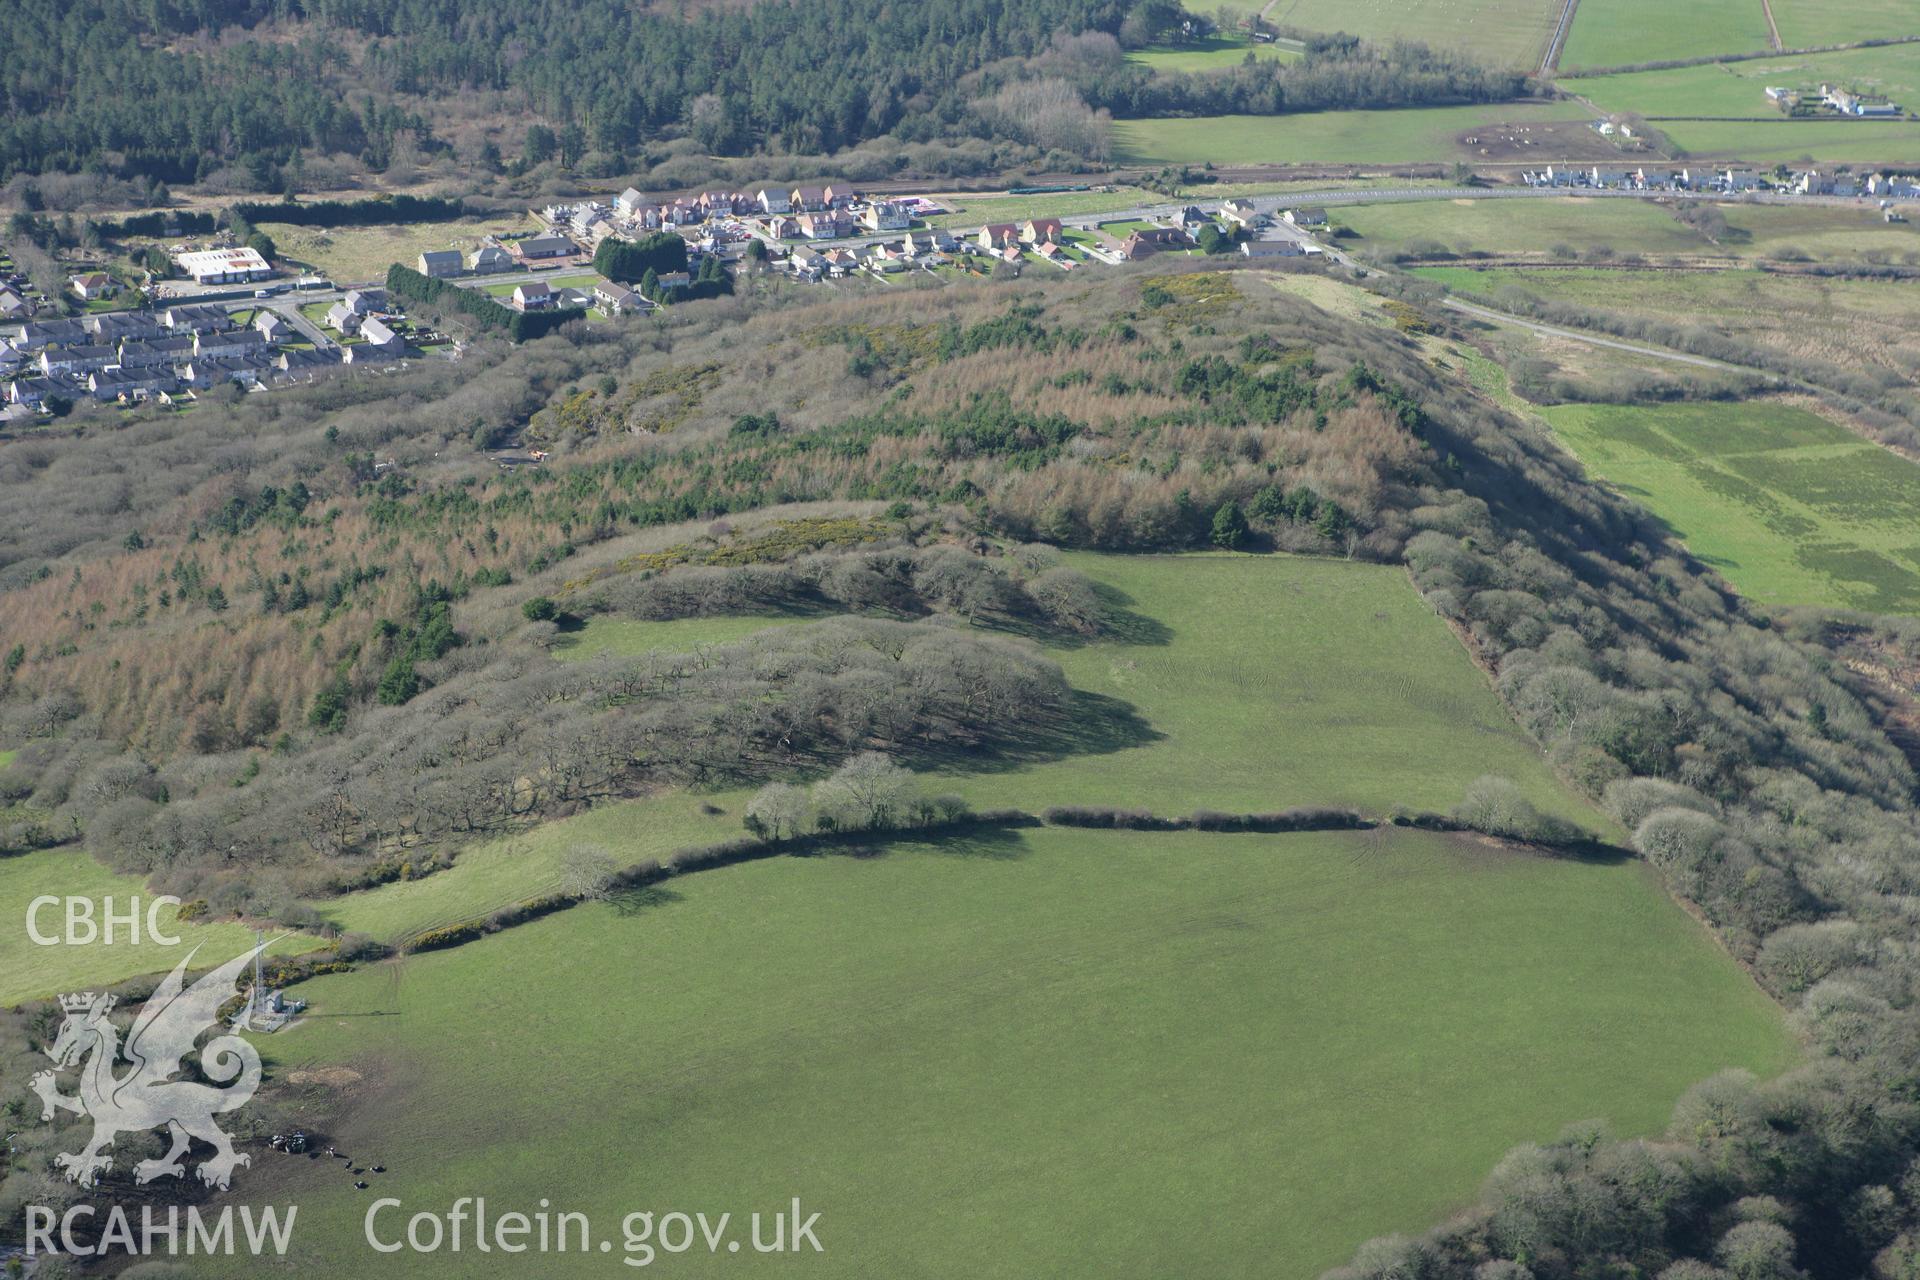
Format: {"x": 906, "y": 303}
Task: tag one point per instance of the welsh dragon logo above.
{"x": 147, "y": 1096}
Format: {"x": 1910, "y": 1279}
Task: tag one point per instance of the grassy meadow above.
{"x": 353, "y": 255}
{"x": 1790, "y": 508}
{"x": 1055, "y": 1052}
{"x": 1853, "y": 323}
{"x": 1214, "y": 53}
{"x": 29, "y": 971}
{"x": 1510, "y": 32}
{"x": 1617, "y": 33}
{"x": 1410, "y": 136}
{"x": 1739, "y": 88}
{"x": 1805, "y": 23}
{"x": 1239, "y": 682}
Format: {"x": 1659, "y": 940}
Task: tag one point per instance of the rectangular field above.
{"x": 1619, "y": 33}
{"x": 1790, "y": 508}
{"x": 1050, "y": 1052}
{"x": 1508, "y": 227}
{"x": 1215, "y": 53}
{"x": 1512, "y": 33}
{"x": 358, "y": 255}
{"x": 1805, "y": 23}
{"x": 1739, "y": 88}
{"x": 1240, "y": 683}
{"x": 1410, "y": 136}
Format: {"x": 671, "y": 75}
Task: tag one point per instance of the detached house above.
{"x": 1306, "y": 217}
{"x": 630, "y": 202}
{"x": 885, "y": 215}
{"x": 806, "y": 199}
{"x": 438, "y": 264}
{"x": 94, "y": 285}
{"x": 1041, "y": 231}
{"x": 616, "y": 299}
{"x": 534, "y": 295}
{"x": 998, "y": 235}
{"x": 489, "y": 258}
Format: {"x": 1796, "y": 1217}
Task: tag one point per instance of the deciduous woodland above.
{"x": 257, "y": 650}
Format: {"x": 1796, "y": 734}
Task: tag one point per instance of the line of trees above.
{"x": 477, "y": 305}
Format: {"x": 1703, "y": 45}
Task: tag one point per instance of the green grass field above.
{"x": 1799, "y": 142}
{"x": 358, "y": 254}
{"x": 1642, "y": 227}
{"x": 1406, "y": 136}
{"x": 1253, "y": 683}
{"x": 1053, "y": 1053}
{"x": 28, "y": 970}
{"x": 1215, "y": 53}
{"x": 1857, "y": 323}
{"x": 1788, "y": 507}
{"x": 1510, "y": 32}
{"x": 1617, "y": 33}
{"x": 1805, "y": 23}
{"x": 1739, "y": 88}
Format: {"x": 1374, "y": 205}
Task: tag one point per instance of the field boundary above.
{"x": 1558, "y": 43}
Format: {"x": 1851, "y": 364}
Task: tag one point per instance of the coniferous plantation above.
{"x": 273, "y": 95}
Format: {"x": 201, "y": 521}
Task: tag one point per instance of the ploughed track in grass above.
{"x": 1051, "y": 1052}
{"x": 1790, "y": 508}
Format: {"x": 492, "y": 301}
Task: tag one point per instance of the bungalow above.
{"x": 125, "y": 384}
{"x": 998, "y": 235}
{"x": 1242, "y": 213}
{"x": 223, "y": 266}
{"x": 489, "y": 258}
{"x": 10, "y": 357}
{"x": 534, "y": 295}
{"x": 12, "y": 305}
{"x": 1147, "y": 242}
{"x": 616, "y": 299}
{"x": 673, "y": 279}
{"x": 1279, "y": 247}
{"x": 94, "y": 285}
{"x": 885, "y": 215}
{"x": 1190, "y": 219}
{"x": 308, "y": 361}
{"x": 1041, "y": 231}
{"x": 438, "y": 264}
{"x": 1309, "y": 216}
{"x": 366, "y": 353}
{"x": 196, "y": 319}
{"x": 77, "y": 359}
{"x": 806, "y": 199}
{"x": 536, "y": 248}
{"x": 146, "y": 353}
{"x": 231, "y": 343}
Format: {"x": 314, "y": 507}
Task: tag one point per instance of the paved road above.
{"x": 288, "y": 309}
{"x": 1595, "y": 340}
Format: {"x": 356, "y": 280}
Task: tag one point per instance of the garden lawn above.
{"x": 1050, "y": 1053}
{"x": 28, "y": 970}
{"x": 1409, "y": 136}
{"x": 1790, "y": 508}
{"x": 1618, "y": 33}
